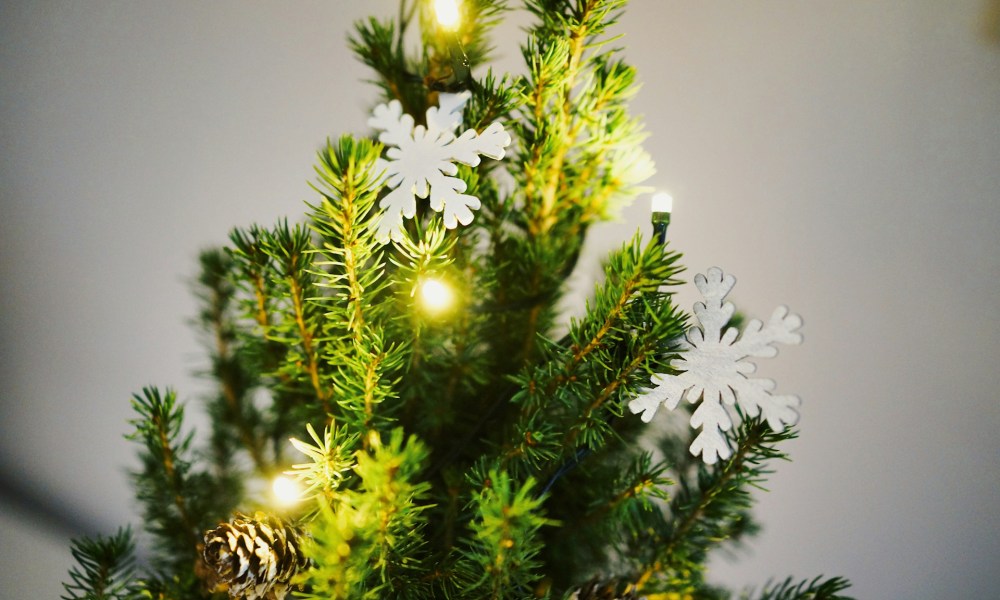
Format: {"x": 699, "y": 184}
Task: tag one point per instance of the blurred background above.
{"x": 841, "y": 157}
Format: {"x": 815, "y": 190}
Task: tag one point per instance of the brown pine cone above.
{"x": 254, "y": 558}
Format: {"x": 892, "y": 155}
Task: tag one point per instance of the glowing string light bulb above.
{"x": 435, "y": 295}
{"x": 447, "y": 13}
{"x": 662, "y": 202}
{"x": 286, "y": 491}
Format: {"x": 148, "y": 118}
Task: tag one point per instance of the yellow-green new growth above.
{"x": 331, "y": 461}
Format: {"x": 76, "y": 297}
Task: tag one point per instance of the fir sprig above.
{"x": 568, "y": 398}
{"x": 439, "y": 344}
{"x": 268, "y": 268}
{"x": 179, "y": 501}
{"x": 105, "y": 568}
{"x": 607, "y": 501}
{"x": 379, "y": 44}
{"x": 302, "y": 323}
{"x": 506, "y": 538}
{"x": 573, "y": 115}
{"x": 579, "y": 159}
{"x": 254, "y": 266}
{"x": 331, "y": 461}
{"x": 366, "y": 542}
{"x": 164, "y": 484}
{"x": 354, "y": 263}
{"x": 365, "y": 376}
{"x": 817, "y": 588}
{"x": 236, "y": 422}
{"x": 353, "y": 267}
{"x": 707, "y": 509}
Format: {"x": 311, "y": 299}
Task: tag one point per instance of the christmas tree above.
{"x": 396, "y": 365}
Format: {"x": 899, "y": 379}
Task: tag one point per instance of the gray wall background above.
{"x": 842, "y": 157}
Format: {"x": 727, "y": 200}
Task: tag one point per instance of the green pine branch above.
{"x": 817, "y": 588}
{"x": 707, "y": 510}
{"x": 332, "y": 463}
{"x": 236, "y": 423}
{"x": 578, "y": 158}
{"x": 446, "y": 58}
{"x": 354, "y": 264}
{"x": 366, "y": 542}
{"x": 105, "y": 568}
{"x": 255, "y": 270}
{"x": 178, "y": 502}
{"x": 302, "y": 323}
{"x": 163, "y": 486}
{"x": 279, "y": 325}
{"x": 379, "y": 45}
{"x": 607, "y": 501}
{"x": 505, "y": 543}
{"x": 349, "y": 181}
{"x": 573, "y": 115}
{"x": 443, "y": 342}
{"x": 609, "y": 353}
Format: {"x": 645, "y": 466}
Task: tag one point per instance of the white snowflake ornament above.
{"x": 421, "y": 161}
{"x": 714, "y": 369}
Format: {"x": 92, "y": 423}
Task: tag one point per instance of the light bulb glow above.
{"x": 287, "y": 491}
{"x": 447, "y": 13}
{"x": 435, "y": 295}
{"x": 662, "y": 202}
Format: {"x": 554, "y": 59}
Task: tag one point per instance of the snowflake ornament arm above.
{"x": 420, "y": 162}
{"x": 714, "y": 370}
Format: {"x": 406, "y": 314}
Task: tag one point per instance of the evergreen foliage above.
{"x": 106, "y": 567}
{"x": 478, "y": 450}
{"x": 815, "y": 589}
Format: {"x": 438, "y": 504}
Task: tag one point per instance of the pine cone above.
{"x": 254, "y": 558}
